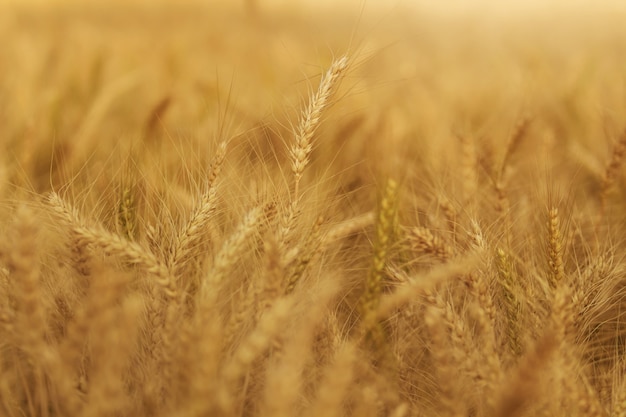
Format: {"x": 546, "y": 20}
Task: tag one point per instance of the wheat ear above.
{"x": 310, "y": 248}
{"x": 348, "y": 228}
{"x": 423, "y": 283}
{"x": 113, "y": 244}
{"x": 524, "y": 383}
{"x": 127, "y": 204}
{"x": 370, "y": 299}
{"x": 24, "y": 271}
{"x": 270, "y": 284}
{"x": 190, "y": 235}
{"x": 335, "y": 383}
{"x": 612, "y": 170}
{"x": 385, "y": 225}
{"x": 114, "y": 327}
{"x": 468, "y": 168}
{"x": 555, "y": 249}
{"x": 231, "y": 249}
{"x": 519, "y": 132}
{"x": 511, "y": 304}
{"x": 30, "y": 317}
{"x": 267, "y": 330}
{"x": 422, "y": 240}
{"x": 444, "y": 357}
{"x": 310, "y": 120}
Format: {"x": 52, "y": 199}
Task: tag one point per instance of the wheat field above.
{"x": 243, "y": 210}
